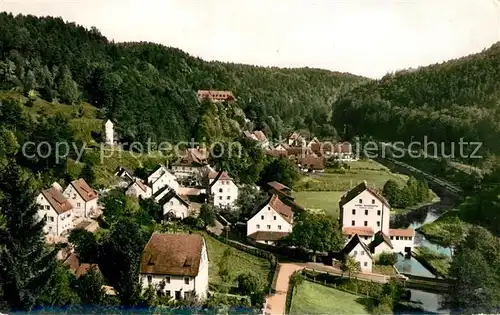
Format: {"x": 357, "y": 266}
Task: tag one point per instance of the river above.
{"x": 415, "y": 219}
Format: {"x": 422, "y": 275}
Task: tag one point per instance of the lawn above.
{"x": 328, "y": 201}
{"x": 436, "y": 230}
{"x": 240, "y": 261}
{"x": 312, "y": 298}
{"x": 374, "y": 173}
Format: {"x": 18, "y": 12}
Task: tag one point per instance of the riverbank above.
{"x": 438, "y": 231}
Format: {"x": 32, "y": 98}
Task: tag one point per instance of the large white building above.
{"x": 366, "y": 214}
{"x": 57, "y": 210}
{"x": 175, "y": 265}
{"x": 271, "y": 223}
{"x": 82, "y": 197}
{"x": 223, "y": 190}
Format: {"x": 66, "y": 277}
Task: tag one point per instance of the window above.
{"x": 268, "y": 227}
{"x": 220, "y": 197}
{"x": 366, "y": 223}
{"x": 353, "y": 223}
{"x": 47, "y": 207}
{"x": 258, "y": 226}
{"x": 40, "y": 207}
{"x": 392, "y": 238}
{"x": 262, "y": 217}
{"x": 274, "y": 217}
{"x": 353, "y": 211}
{"x": 366, "y": 238}
{"x": 177, "y": 295}
{"x": 78, "y": 205}
{"x": 378, "y": 212}
{"x": 360, "y": 200}
{"x": 378, "y": 223}
{"x": 279, "y": 227}
{"x": 228, "y": 197}
{"x": 220, "y": 189}
{"x": 355, "y": 252}
{"x": 167, "y": 280}
{"x": 74, "y": 196}
{"x": 366, "y": 212}
{"x": 50, "y": 219}
{"x": 186, "y": 280}
{"x": 362, "y": 252}
{"x": 171, "y": 203}
{"x": 373, "y": 201}
{"x": 409, "y": 238}
{"x": 365, "y": 264}
{"x": 397, "y": 238}
{"x": 167, "y": 293}
{"x": 150, "y": 279}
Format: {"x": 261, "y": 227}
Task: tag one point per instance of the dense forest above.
{"x": 150, "y": 89}
{"x": 445, "y": 102}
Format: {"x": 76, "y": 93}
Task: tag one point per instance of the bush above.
{"x": 387, "y": 259}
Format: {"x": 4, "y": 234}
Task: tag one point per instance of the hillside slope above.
{"x": 149, "y": 89}
{"x": 445, "y": 102}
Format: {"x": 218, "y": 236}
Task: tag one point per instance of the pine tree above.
{"x": 26, "y": 264}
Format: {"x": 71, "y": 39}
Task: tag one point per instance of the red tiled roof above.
{"x": 57, "y": 200}
{"x": 277, "y": 153}
{"x": 172, "y": 254}
{"x": 284, "y": 210}
{"x": 260, "y": 135}
{"x": 278, "y": 186}
{"x": 351, "y": 194}
{"x": 360, "y": 230}
{"x": 223, "y": 176}
{"x": 84, "y": 268}
{"x": 268, "y": 235}
{"x": 315, "y": 163}
{"x": 402, "y": 232}
{"x": 84, "y": 190}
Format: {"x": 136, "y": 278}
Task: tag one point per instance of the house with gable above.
{"x": 222, "y": 190}
{"x": 138, "y": 189}
{"x": 57, "y": 210}
{"x": 272, "y": 222}
{"x": 124, "y": 173}
{"x": 175, "y": 265}
{"x": 174, "y": 205}
{"x": 261, "y": 138}
{"x": 161, "y": 178}
{"x": 381, "y": 244}
{"x": 82, "y": 197}
{"x": 364, "y": 212}
{"x": 296, "y": 139}
{"x": 192, "y": 164}
{"x": 216, "y": 96}
{"x": 360, "y": 252}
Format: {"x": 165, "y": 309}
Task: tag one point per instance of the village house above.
{"x": 161, "y": 178}
{"x": 192, "y": 164}
{"x": 344, "y": 152}
{"x": 311, "y": 164}
{"x": 296, "y": 139}
{"x": 364, "y": 212}
{"x": 222, "y": 189}
{"x": 280, "y": 189}
{"x": 138, "y": 189}
{"x": 124, "y": 173}
{"x": 174, "y": 205}
{"x": 271, "y": 223}
{"x": 82, "y": 197}
{"x": 261, "y": 138}
{"x": 360, "y": 252}
{"x": 381, "y": 244}
{"x": 175, "y": 265}
{"x": 57, "y": 210}
{"x": 216, "y": 96}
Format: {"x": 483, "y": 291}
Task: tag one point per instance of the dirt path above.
{"x": 276, "y": 303}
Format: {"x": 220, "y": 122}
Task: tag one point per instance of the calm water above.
{"x": 428, "y": 301}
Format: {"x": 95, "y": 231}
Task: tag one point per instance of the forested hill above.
{"x": 458, "y": 98}
{"x": 149, "y": 89}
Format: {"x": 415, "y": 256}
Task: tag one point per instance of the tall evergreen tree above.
{"x": 26, "y": 264}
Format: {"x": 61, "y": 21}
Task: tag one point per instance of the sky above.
{"x": 364, "y": 37}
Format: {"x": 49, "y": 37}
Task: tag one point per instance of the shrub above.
{"x": 388, "y": 259}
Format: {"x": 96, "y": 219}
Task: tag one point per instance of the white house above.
{"x": 175, "y": 205}
{"x": 175, "y": 265}
{"x": 361, "y": 253}
{"x": 138, "y": 189}
{"x": 109, "y": 133}
{"x": 160, "y": 178}
{"x": 57, "y": 209}
{"x": 365, "y": 208}
{"x": 402, "y": 239}
{"x": 380, "y": 244}
{"x": 82, "y": 197}
{"x": 273, "y": 222}
{"x": 223, "y": 190}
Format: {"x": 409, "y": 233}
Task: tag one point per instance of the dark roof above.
{"x": 119, "y": 171}
{"x": 353, "y": 242}
{"x": 84, "y": 190}
{"x": 219, "y": 175}
{"x": 260, "y": 135}
{"x": 57, "y": 200}
{"x": 279, "y": 186}
{"x": 351, "y": 194}
{"x": 172, "y": 254}
{"x": 379, "y": 238}
{"x": 268, "y": 235}
{"x": 172, "y": 194}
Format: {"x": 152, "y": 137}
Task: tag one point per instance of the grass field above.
{"x": 374, "y": 173}
{"x": 240, "y": 261}
{"x": 312, "y": 298}
{"x": 327, "y": 201}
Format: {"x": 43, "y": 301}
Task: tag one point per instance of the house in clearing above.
{"x": 82, "y": 197}
{"x": 216, "y": 96}
{"x": 364, "y": 212}
{"x": 175, "y": 265}
{"x": 271, "y": 223}
{"x": 57, "y": 210}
